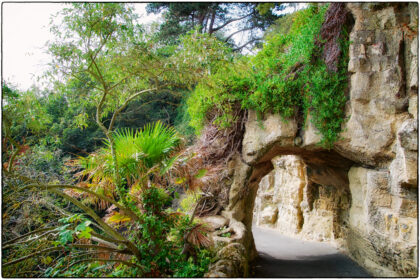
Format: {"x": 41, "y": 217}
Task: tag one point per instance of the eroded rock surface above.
{"x": 384, "y": 80}
{"x": 288, "y": 201}
{"x": 363, "y": 193}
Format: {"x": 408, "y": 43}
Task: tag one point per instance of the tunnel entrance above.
{"x": 302, "y": 193}
{"x": 302, "y": 201}
{"x": 327, "y": 197}
{"x": 300, "y": 208}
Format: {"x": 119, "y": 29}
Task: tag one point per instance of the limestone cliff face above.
{"x": 363, "y": 192}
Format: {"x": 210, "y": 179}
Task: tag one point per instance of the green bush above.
{"x": 188, "y": 202}
{"x": 214, "y": 99}
{"x": 286, "y": 77}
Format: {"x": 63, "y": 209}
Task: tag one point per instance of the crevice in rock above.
{"x": 299, "y": 215}
{"x": 401, "y": 64}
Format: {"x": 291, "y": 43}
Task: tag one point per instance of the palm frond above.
{"x": 197, "y": 236}
{"x": 139, "y": 154}
{"x": 156, "y": 141}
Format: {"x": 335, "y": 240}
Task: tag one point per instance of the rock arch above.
{"x": 264, "y": 142}
{"x": 375, "y": 158}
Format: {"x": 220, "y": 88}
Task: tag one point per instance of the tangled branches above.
{"x": 219, "y": 145}
{"x": 336, "y": 17}
{"x": 212, "y": 152}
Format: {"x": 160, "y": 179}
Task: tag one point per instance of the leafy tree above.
{"x": 100, "y": 45}
{"x": 160, "y": 106}
{"x": 25, "y": 123}
{"x": 24, "y": 115}
{"x": 74, "y": 129}
{"x": 221, "y": 19}
{"x": 101, "y": 57}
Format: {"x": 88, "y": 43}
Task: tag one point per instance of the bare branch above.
{"x": 109, "y": 244}
{"x": 52, "y": 249}
{"x": 20, "y": 177}
{"x": 76, "y": 77}
{"x": 104, "y": 248}
{"x": 99, "y": 113}
{"x": 103, "y": 42}
{"x": 213, "y": 17}
{"x": 61, "y": 248}
{"x": 119, "y": 82}
{"x": 236, "y": 32}
{"x": 247, "y": 43}
{"x": 30, "y": 240}
{"x": 101, "y": 78}
{"x": 230, "y": 21}
{"x": 108, "y": 240}
{"x": 116, "y": 112}
{"x": 146, "y": 103}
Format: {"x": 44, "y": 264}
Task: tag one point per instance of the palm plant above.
{"x": 145, "y": 159}
{"x": 137, "y": 153}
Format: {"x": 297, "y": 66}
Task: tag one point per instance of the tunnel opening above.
{"x": 303, "y": 200}
{"x": 311, "y": 191}
{"x": 302, "y": 194}
{"x": 299, "y": 216}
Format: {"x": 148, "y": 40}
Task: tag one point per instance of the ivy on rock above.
{"x": 289, "y": 77}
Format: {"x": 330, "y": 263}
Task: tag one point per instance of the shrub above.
{"x": 287, "y": 77}
{"x": 214, "y": 99}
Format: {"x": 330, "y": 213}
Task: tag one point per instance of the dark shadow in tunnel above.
{"x": 325, "y": 266}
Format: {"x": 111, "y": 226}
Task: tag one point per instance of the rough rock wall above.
{"x": 374, "y": 163}
{"x": 382, "y": 230}
{"x": 287, "y": 202}
{"x": 381, "y": 136}
{"x": 384, "y": 80}
{"x": 279, "y": 195}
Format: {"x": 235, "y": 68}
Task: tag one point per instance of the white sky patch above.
{"x": 25, "y": 32}
{"x": 242, "y": 37}
{"x": 298, "y": 7}
{"x": 144, "y": 18}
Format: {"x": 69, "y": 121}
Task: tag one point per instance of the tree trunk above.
{"x": 213, "y": 17}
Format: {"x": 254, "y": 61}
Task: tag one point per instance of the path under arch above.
{"x": 282, "y": 256}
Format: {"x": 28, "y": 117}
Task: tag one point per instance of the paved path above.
{"x": 281, "y": 256}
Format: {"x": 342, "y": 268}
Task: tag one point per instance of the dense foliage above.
{"x": 154, "y": 234}
{"x": 287, "y": 77}
{"x": 94, "y": 166}
{"x": 102, "y": 63}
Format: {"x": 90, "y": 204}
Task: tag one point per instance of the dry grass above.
{"x": 212, "y": 151}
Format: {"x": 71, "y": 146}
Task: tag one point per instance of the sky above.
{"x": 25, "y": 31}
